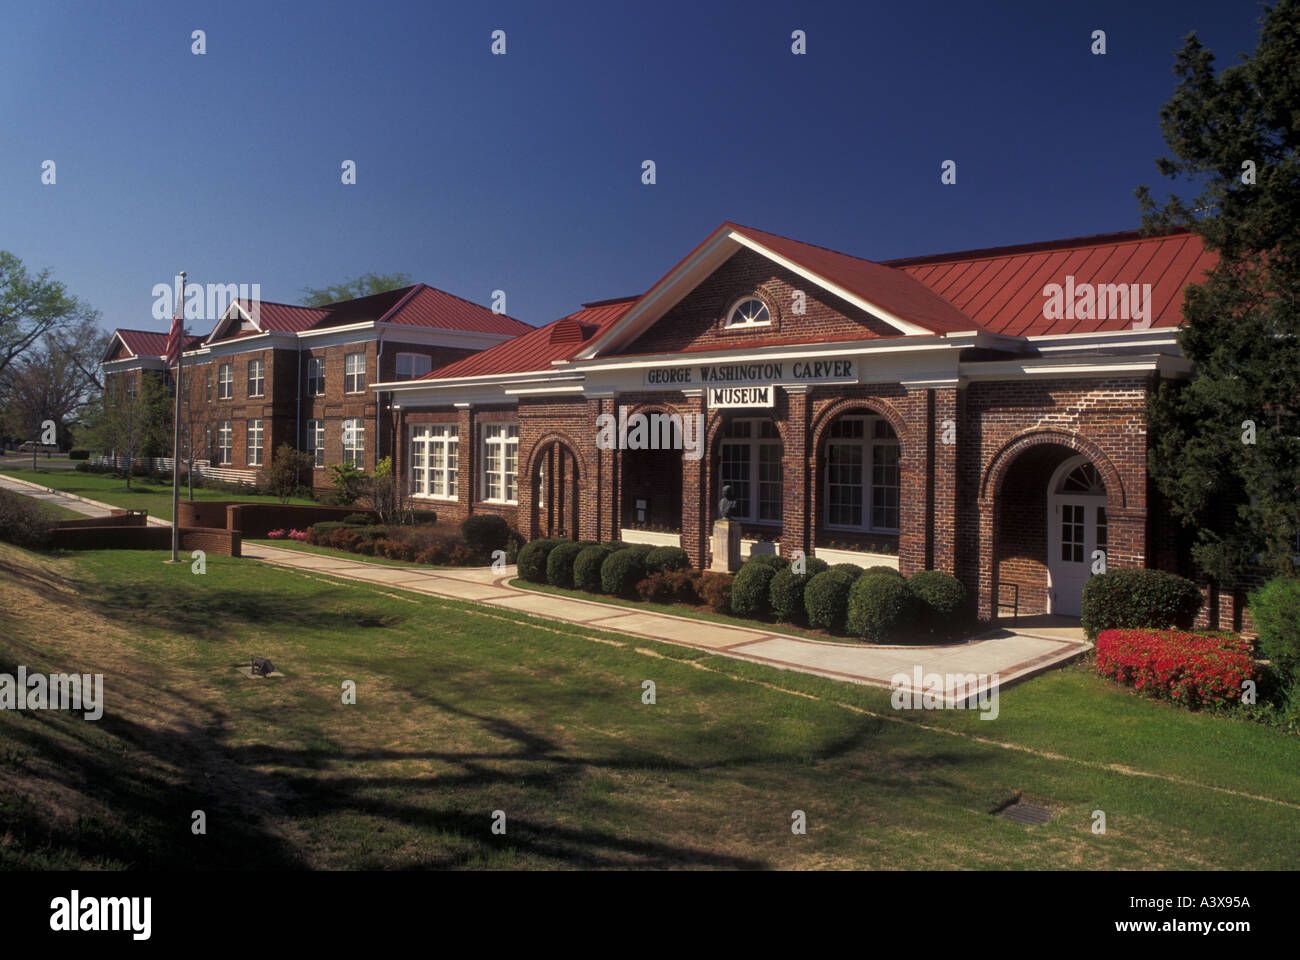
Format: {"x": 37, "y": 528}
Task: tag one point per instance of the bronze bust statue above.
{"x": 726, "y": 505}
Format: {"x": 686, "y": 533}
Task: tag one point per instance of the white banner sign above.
{"x": 768, "y": 372}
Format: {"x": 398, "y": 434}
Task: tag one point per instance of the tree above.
{"x": 288, "y": 466}
{"x": 125, "y": 423}
{"x": 1226, "y": 448}
{"x": 362, "y": 286}
{"x": 30, "y": 307}
{"x": 48, "y": 383}
{"x": 384, "y": 491}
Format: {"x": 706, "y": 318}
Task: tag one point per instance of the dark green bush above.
{"x": 785, "y": 594}
{"x": 484, "y": 533}
{"x": 621, "y": 572}
{"x": 881, "y": 609}
{"x": 359, "y": 519}
{"x": 642, "y": 550}
{"x": 666, "y": 560}
{"x": 941, "y": 602}
{"x": 323, "y": 527}
{"x": 24, "y": 522}
{"x": 749, "y": 591}
{"x": 826, "y": 600}
{"x": 78, "y": 454}
{"x": 768, "y": 559}
{"x": 890, "y": 571}
{"x": 532, "y": 559}
{"x": 1275, "y": 608}
{"x": 850, "y": 570}
{"x": 586, "y": 568}
{"x": 813, "y": 566}
{"x": 1130, "y": 597}
{"x": 424, "y": 516}
{"x": 559, "y": 562}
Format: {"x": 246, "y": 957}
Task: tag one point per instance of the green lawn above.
{"x": 141, "y": 496}
{"x": 462, "y": 710}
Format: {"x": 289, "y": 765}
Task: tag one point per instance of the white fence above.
{"x": 202, "y": 468}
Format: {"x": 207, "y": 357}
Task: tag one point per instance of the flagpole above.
{"x": 176, "y": 432}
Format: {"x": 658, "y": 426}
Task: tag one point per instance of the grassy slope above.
{"x": 142, "y": 495}
{"x": 462, "y": 711}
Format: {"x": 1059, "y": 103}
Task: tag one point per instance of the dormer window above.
{"x": 749, "y": 312}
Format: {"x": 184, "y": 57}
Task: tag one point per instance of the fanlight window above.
{"x": 1083, "y": 479}
{"x": 750, "y": 312}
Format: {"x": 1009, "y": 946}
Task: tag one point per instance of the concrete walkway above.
{"x": 82, "y": 505}
{"x": 1013, "y": 653}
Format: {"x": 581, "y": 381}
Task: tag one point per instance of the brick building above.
{"x": 272, "y": 373}
{"x": 940, "y": 412}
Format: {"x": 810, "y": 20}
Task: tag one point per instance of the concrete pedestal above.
{"x": 725, "y": 547}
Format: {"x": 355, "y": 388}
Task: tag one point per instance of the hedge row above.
{"x": 1194, "y": 669}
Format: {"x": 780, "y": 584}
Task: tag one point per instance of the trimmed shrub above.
{"x": 621, "y": 572}
{"x": 78, "y": 454}
{"x": 767, "y": 559}
{"x": 682, "y": 584}
{"x": 850, "y": 570}
{"x": 24, "y": 522}
{"x": 888, "y": 571}
{"x": 666, "y": 560}
{"x": 813, "y": 566}
{"x": 485, "y": 532}
{"x": 785, "y": 594}
{"x": 532, "y": 559}
{"x": 1134, "y": 598}
{"x": 559, "y": 562}
{"x": 826, "y": 600}
{"x": 642, "y": 550}
{"x": 586, "y": 568}
{"x": 750, "y": 589}
{"x": 318, "y": 532}
{"x": 359, "y": 519}
{"x": 424, "y": 516}
{"x": 880, "y": 609}
{"x": 715, "y": 590}
{"x": 1194, "y": 669}
{"x": 940, "y": 600}
{"x": 1275, "y": 608}
{"x": 655, "y": 589}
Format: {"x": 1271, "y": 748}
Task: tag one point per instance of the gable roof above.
{"x": 146, "y": 343}
{"x": 1001, "y": 289}
{"x": 540, "y": 347}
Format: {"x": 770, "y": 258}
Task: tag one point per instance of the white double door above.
{"x": 1076, "y": 530}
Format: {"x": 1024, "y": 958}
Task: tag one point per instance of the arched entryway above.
{"x": 556, "y": 485}
{"x": 1076, "y": 533}
{"x": 859, "y": 482}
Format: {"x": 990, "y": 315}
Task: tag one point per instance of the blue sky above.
{"x": 523, "y": 172}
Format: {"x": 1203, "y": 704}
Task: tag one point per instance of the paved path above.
{"x": 82, "y": 505}
{"x": 1011, "y": 653}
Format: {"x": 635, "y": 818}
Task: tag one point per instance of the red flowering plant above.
{"x": 275, "y": 534}
{"x": 1193, "y": 669}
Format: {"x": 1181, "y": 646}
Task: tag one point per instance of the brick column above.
{"x": 945, "y": 402}
{"x": 915, "y": 466}
{"x": 466, "y": 455}
{"x": 697, "y": 512}
{"x": 985, "y": 596}
{"x": 796, "y": 529}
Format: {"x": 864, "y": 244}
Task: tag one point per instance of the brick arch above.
{"x": 875, "y": 405}
{"x": 545, "y": 441}
{"x": 566, "y": 518}
{"x": 991, "y": 483}
{"x": 714, "y": 420}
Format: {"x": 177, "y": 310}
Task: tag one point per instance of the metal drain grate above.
{"x": 1028, "y": 814}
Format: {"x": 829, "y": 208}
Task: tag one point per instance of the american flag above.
{"x": 174, "y": 337}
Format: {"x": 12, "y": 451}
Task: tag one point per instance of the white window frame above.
{"x": 413, "y": 360}
{"x": 225, "y": 443}
{"x": 253, "y": 451}
{"x": 732, "y": 323}
{"x": 316, "y": 380}
{"x": 499, "y": 440}
{"x": 226, "y": 381}
{"x": 754, "y": 445}
{"x": 351, "y": 376}
{"x": 259, "y": 380}
{"x": 315, "y": 441}
{"x": 430, "y": 443}
{"x": 355, "y": 453}
{"x": 867, "y": 444}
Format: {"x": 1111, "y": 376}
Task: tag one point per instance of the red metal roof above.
{"x": 536, "y": 349}
{"x": 1001, "y": 289}
{"x": 151, "y": 343}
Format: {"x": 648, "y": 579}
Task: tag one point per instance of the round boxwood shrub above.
{"x": 485, "y": 532}
{"x": 826, "y": 599}
{"x": 621, "y": 572}
{"x": 940, "y": 599}
{"x": 749, "y": 591}
{"x": 1275, "y": 608}
{"x": 532, "y": 559}
{"x": 813, "y": 566}
{"x": 768, "y": 559}
{"x": 1132, "y": 597}
{"x": 666, "y": 560}
{"x": 785, "y": 594}
{"x": 880, "y": 609}
{"x": 559, "y": 562}
{"x": 586, "y": 568}
{"x": 360, "y": 519}
{"x": 882, "y": 569}
{"x": 850, "y": 570}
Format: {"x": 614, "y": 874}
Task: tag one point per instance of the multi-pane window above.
{"x": 434, "y": 460}
{"x": 354, "y": 373}
{"x": 207, "y": 389}
{"x": 750, "y": 312}
{"x": 751, "y": 463}
{"x": 1072, "y": 525}
{"x": 254, "y": 444}
{"x": 316, "y": 441}
{"x": 225, "y": 443}
{"x": 500, "y": 462}
{"x": 412, "y": 365}
{"x": 862, "y": 475}
{"x": 225, "y": 381}
{"x": 315, "y": 376}
{"x": 256, "y": 377}
{"x": 354, "y": 441}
